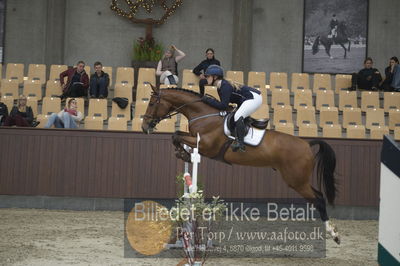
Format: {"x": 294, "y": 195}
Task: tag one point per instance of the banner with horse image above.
{"x": 335, "y": 35}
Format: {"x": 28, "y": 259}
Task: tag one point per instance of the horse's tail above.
{"x": 326, "y": 163}
{"x": 315, "y": 47}
{"x": 348, "y": 49}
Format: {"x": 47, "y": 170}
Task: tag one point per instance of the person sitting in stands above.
{"x": 3, "y": 112}
{"x": 20, "y": 115}
{"x": 67, "y": 118}
{"x": 99, "y": 82}
{"x": 202, "y": 67}
{"x": 77, "y": 83}
{"x": 396, "y": 78}
{"x": 167, "y": 67}
{"x": 368, "y": 78}
{"x": 387, "y": 82}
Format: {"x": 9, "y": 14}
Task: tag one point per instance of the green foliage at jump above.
{"x": 180, "y": 181}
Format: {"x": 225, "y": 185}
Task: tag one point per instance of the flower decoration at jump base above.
{"x": 196, "y": 217}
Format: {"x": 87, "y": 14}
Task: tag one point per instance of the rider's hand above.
{"x": 205, "y": 99}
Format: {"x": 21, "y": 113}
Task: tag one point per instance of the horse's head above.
{"x": 157, "y": 110}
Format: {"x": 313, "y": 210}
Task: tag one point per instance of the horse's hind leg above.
{"x": 297, "y": 177}
{"x": 316, "y": 198}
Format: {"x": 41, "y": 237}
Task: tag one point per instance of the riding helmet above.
{"x": 215, "y": 70}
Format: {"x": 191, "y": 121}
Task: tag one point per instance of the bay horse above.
{"x": 340, "y": 39}
{"x": 288, "y": 154}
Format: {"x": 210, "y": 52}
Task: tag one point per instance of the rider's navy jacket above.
{"x": 228, "y": 94}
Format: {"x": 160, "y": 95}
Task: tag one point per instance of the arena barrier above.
{"x": 389, "y": 211}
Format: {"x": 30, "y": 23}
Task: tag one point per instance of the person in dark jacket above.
{"x": 247, "y": 99}
{"x": 368, "y": 78}
{"x": 99, "y": 82}
{"x": 396, "y": 78}
{"x": 3, "y": 112}
{"x": 20, "y": 115}
{"x": 202, "y": 67}
{"x": 387, "y": 82}
{"x": 77, "y": 83}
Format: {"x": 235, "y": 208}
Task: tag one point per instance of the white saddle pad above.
{"x": 253, "y": 137}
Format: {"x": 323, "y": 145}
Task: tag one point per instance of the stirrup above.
{"x": 237, "y": 146}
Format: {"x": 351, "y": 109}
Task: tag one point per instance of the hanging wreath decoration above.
{"x": 148, "y": 5}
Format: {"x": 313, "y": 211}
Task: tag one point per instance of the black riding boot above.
{"x": 238, "y": 144}
{"x": 172, "y": 80}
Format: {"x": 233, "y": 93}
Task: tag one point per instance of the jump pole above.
{"x": 191, "y": 180}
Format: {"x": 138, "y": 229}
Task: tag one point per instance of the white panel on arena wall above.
{"x": 389, "y": 209}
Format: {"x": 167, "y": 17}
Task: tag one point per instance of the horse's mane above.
{"x": 184, "y": 90}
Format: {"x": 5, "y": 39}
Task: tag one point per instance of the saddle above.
{"x": 249, "y": 122}
{"x": 255, "y": 132}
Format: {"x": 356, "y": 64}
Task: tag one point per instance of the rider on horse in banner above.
{"x": 247, "y": 99}
{"x": 334, "y": 27}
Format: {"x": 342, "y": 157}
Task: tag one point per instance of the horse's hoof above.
{"x": 337, "y": 240}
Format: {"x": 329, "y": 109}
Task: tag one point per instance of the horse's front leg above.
{"x": 345, "y": 51}
{"x": 328, "y": 51}
{"x": 180, "y": 151}
{"x": 184, "y": 139}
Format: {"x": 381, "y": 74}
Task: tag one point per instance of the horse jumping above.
{"x": 288, "y": 154}
{"x": 340, "y": 39}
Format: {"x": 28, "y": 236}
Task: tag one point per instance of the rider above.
{"x": 247, "y": 99}
{"x": 333, "y": 25}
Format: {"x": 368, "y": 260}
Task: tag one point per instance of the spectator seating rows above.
{"x": 306, "y": 109}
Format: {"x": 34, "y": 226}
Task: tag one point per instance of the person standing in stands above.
{"x": 99, "y": 82}
{"x": 77, "y": 83}
{"x": 387, "y": 83}
{"x": 20, "y": 115}
{"x": 202, "y": 67}
{"x": 396, "y": 78}
{"x": 368, "y": 78}
{"x": 3, "y": 112}
{"x": 67, "y": 118}
{"x": 167, "y": 67}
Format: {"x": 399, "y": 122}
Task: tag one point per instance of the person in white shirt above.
{"x": 167, "y": 67}
{"x": 67, "y": 118}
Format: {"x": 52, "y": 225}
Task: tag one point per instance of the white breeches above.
{"x": 249, "y": 106}
{"x": 164, "y": 78}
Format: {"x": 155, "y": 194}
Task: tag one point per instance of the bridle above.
{"x": 154, "y": 121}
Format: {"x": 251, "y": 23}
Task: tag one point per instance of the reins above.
{"x": 154, "y": 122}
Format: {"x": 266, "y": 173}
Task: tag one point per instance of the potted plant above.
{"x": 146, "y": 52}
